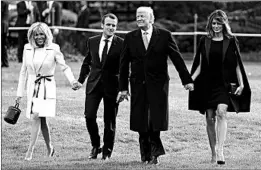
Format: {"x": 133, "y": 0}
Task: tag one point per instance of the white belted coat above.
{"x": 41, "y": 61}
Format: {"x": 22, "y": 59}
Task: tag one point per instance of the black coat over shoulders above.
{"x": 231, "y": 58}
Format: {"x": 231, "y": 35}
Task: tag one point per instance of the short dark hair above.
{"x": 110, "y": 15}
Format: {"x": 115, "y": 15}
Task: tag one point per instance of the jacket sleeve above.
{"x": 178, "y": 61}
{"x": 85, "y": 69}
{"x": 22, "y": 77}
{"x": 59, "y": 58}
{"x": 124, "y": 66}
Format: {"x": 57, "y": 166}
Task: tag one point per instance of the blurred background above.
{"x": 176, "y": 16}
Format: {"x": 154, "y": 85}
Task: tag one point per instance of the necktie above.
{"x": 104, "y": 51}
{"x": 145, "y": 40}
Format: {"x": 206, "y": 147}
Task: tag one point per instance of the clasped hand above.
{"x": 76, "y": 85}
{"x": 189, "y": 86}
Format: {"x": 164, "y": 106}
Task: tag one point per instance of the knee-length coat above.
{"x": 231, "y": 59}
{"x": 45, "y": 66}
{"x": 149, "y": 78}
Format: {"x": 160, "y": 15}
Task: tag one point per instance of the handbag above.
{"x": 12, "y": 114}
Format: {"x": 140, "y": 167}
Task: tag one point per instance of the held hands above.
{"x": 76, "y": 85}
{"x": 121, "y": 96}
{"x": 189, "y": 86}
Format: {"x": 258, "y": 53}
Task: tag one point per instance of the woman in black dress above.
{"x": 217, "y": 69}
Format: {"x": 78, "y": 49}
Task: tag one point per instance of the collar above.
{"x": 110, "y": 39}
{"x": 149, "y": 31}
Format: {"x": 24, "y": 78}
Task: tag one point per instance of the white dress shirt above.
{"x": 149, "y": 33}
{"x": 102, "y": 44}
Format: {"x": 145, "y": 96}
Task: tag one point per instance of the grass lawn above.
{"x": 186, "y": 142}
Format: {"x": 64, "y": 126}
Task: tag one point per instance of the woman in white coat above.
{"x": 40, "y": 57}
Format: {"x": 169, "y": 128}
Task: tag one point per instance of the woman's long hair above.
{"x": 42, "y": 27}
{"x": 222, "y": 18}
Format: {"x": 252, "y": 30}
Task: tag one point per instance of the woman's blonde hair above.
{"x": 222, "y": 18}
{"x": 42, "y": 27}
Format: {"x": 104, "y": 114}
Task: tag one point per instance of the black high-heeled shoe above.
{"x": 220, "y": 157}
{"x": 221, "y": 162}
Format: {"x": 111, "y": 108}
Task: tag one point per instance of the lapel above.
{"x": 139, "y": 42}
{"x": 113, "y": 44}
{"x": 95, "y": 49}
{"x": 154, "y": 39}
{"x": 207, "y": 47}
{"x": 30, "y": 57}
{"x": 41, "y": 57}
{"x": 224, "y": 49}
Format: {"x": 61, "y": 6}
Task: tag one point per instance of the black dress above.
{"x": 216, "y": 91}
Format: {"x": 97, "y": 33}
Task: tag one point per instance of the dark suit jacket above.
{"x": 23, "y": 12}
{"x": 231, "y": 58}
{"x": 106, "y": 71}
{"x": 56, "y": 6}
{"x": 149, "y": 69}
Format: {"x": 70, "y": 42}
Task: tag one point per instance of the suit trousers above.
{"x": 150, "y": 145}
{"x": 92, "y": 103}
{"x": 150, "y": 142}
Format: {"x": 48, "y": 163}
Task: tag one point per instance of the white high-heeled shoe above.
{"x": 28, "y": 155}
{"x": 51, "y": 153}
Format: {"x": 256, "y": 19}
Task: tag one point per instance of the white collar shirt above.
{"x": 102, "y": 44}
{"x": 149, "y": 33}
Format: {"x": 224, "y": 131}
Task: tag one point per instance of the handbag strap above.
{"x": 17, "y": 104}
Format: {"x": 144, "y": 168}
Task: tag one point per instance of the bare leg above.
{"x": 36, "y": 123}
{"x": 211, "y": 131}
{"x": 46, "y": 135}
{"x": 221, "y": 131}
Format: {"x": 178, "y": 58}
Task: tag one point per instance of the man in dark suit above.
{"x": 4, "y": 31}
{"x": 27, "y": 14}
{"x": 102, "y": 66}
{"x": 147, "y": 50}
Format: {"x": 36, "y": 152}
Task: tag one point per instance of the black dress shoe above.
{"x": 154, "y": 160}
{"x": 95, "y": 151}
{"x": 145, "y": 160}
{"x": 106, "y": 153}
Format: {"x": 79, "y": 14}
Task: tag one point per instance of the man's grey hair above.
{"x": 148, "y": 10}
